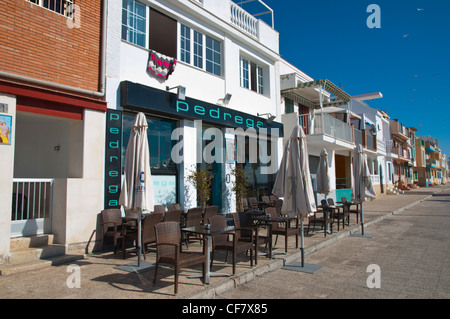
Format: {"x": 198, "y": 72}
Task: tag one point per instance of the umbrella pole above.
{"x": 363, "y": 234}
{"x": 139, "y": 237}
{"x": 301, "y": 266}
{"x": 302, "y": 242}
{"x": 362, "y": 219}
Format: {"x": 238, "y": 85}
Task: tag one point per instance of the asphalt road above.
{"x": 407, "y": 258}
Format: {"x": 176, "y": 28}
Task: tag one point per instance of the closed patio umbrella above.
{"x": 137, "y": 188}
{"x": 293, "y": 183}
{"x": 362, "y": 182}
{"x": 323, "y": 176}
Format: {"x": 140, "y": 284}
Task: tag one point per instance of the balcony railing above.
{"x": 326, "y": 124}
{"x": 243, "y": 20}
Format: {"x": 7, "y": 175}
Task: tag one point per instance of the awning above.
{"x": 308, "y": 95}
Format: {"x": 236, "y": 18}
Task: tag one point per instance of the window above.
{"x": 159, "y": 134}
{"x": 252, "y": 76}
{"x": 202, "y": 52}
{"x": 198, "y": 49}
{"x": 63, "y": 7}
{"x": 185, "y": 44}
{"x": 133, "y": 22}
{"x": 163, "y": 33}
{"x": 213, "y": 56}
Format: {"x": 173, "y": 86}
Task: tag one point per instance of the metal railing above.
{"x": 63, "y": 7}
{"x": 32, "y": 198}
{"x": 244, "y": 20}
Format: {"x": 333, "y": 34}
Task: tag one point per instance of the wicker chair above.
{"x": 244, "y": 202}
{"x": 241, "y": 222}
{"x": 168, "y": 251}
{"x": 337, "y": 214}
{"x": 112, "y": 226}
{"x": 171, "y": 207}
{"x": 267, "y": 202}
{"x": 159, "y": 209}
{"x": 284, "y": 230}
{"x": 148, "y": 232}
{"x": 221, "y": 242}
{"x": 349, "y": 205}
{"x": 253, "y": 202}
{"x": 173, "y": 216}
{"x": 194, "y": 217}
{"x": 325, "y": 220}
{"x": 278, "y": 204}
{"x": 210, "y": 211}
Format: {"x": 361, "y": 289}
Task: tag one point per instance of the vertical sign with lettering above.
{"x": 113, "y": 158}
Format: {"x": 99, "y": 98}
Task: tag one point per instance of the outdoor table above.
{"x": 208, "y": 233}
{"x": 264, "y": 221}
{"x": 254, "y": 213}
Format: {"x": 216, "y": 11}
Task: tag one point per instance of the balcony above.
{"x": 403, "y": 154}
{"x": 244, "y": 21}
{"x": 399, "y": 130}
{"x": 432, "y": 163}
{"x": 325, "y": 124}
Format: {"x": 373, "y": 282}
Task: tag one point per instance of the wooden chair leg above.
{"x": 285, "y": 243}
{"x": 176, "y": 280}
{"x": 156, "y": 271}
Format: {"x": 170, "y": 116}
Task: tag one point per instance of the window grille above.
{"x": 63, "y": 7}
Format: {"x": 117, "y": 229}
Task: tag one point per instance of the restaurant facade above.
{"x": 205, "y": 82}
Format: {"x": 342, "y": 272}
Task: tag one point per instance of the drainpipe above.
{"x": 100, "y": 93}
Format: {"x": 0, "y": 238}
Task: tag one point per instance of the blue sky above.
{"x": 330, "y": 39}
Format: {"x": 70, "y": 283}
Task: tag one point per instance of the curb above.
{"x": 238, "y": 280}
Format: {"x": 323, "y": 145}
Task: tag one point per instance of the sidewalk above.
{"x": 100, "y": 278}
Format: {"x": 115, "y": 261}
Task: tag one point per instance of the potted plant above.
{"x": 201, "y": 178}
{"x": 240, "y": 185}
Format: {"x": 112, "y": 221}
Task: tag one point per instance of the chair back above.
{"x": 244, "y": 202}
{"x": 273, "y": 198}
{"x": 171, "y": 207}
{"x": 194, "y": 216}
{"x": 167, "y": 233}
{"x": 278, "y": 204}
{"x": 344, "y": 200}
{"x": 324, "y": 202}
{"x": 210, "y": 211}
{"x": 111, "y": 216}
{"x": 148, "y": 227}
{"x": 218, "y": 222}
{"x": 330, "y": 201}
{"x": 173, "y": 216}
{"x": 272, "y": 211}
{"x": 238, "y": 224}
{"x": 253, "y": 202}
{"x": 159, "y": 209}
{"x": 265, "y": 199}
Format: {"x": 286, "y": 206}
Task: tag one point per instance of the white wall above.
{"x": 6, "y": 179}
{"x": 35, "y": 154}
{"x": 78, "y": 201}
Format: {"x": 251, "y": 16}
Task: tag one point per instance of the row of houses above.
{"x": 207, "y": 74}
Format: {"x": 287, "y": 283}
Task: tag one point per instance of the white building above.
{"x": 312, "y": 104}
{"x": 224, "y": 62}
{"x": 375, "y": 131}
